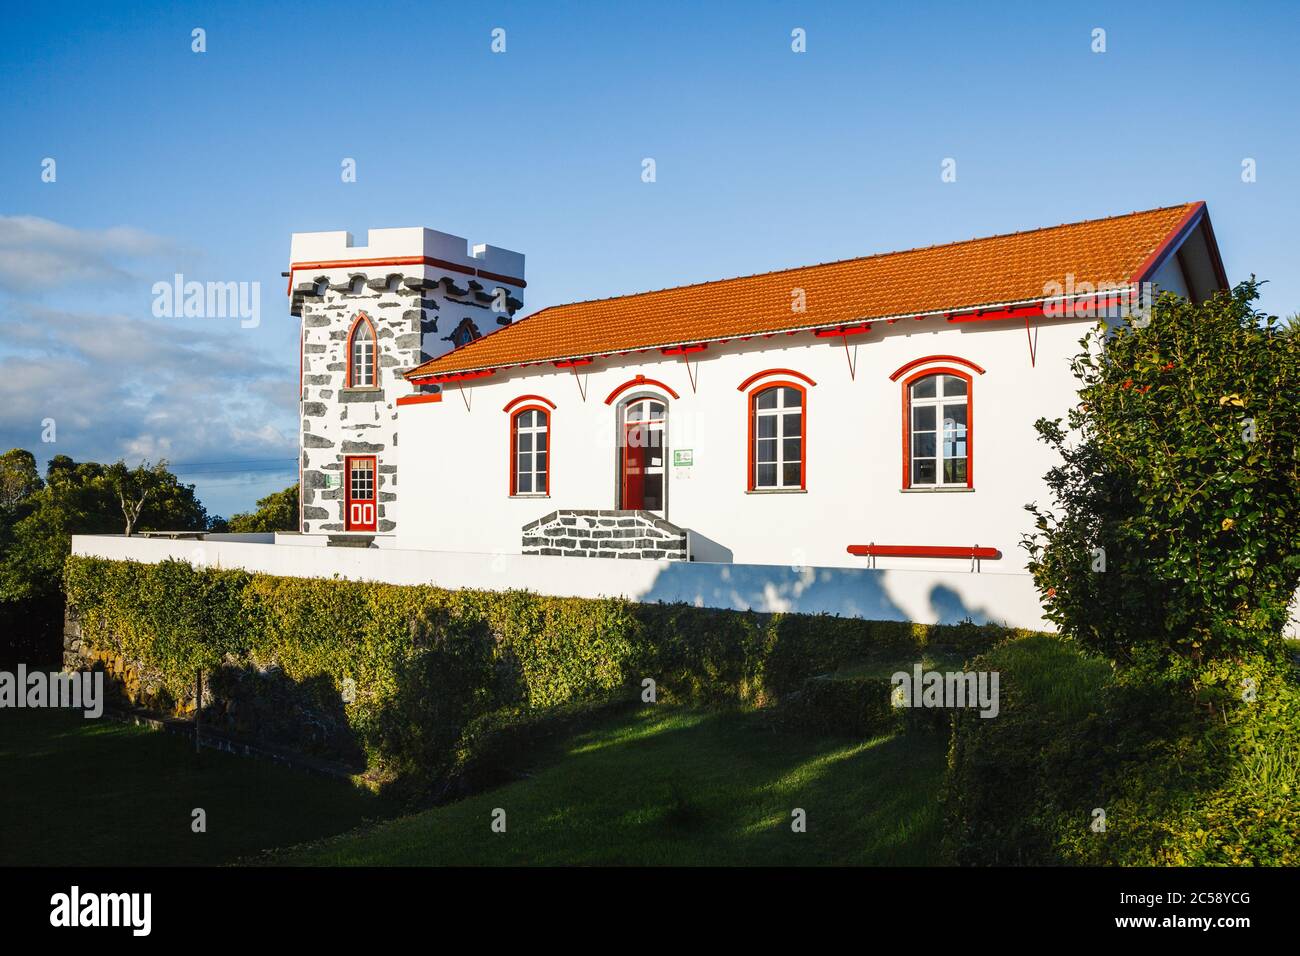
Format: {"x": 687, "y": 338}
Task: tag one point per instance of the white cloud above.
{"x": 37, "y": 254}
{"x": 118, "y": 386}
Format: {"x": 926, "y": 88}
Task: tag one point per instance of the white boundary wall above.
{"x": 926, "y": 597}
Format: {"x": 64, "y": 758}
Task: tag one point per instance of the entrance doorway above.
{"x": 359, "y": 493}
{"x": 643, "y": 447}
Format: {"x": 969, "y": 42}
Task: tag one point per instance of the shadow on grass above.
{"x": 675, "y": 787}
{"x": 83, "y": 792}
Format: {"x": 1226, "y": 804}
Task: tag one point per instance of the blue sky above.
{"x": 172, "y": 161}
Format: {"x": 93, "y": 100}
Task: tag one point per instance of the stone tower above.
{"x": 368, "y": 313}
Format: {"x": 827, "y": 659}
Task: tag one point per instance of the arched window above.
{"x": 362, "y": 350}
{"x": 778, "y": 430}
{"x": 530, "y": 451}
{"x": 937, "y": 430}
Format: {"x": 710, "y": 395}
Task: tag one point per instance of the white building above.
{"x": 875, "y": 411}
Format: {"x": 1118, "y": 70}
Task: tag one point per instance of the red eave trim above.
{"x": 633, "y": 383}
{"x": 1185, "y": 225}
{"x": 573, "y": 363}
{"x": 684, "y": 349}
{"x": 921, "y": 551}
{"x": 1034, "y": 310}
{"x": 843, "y": 330}
{"x": 420, "y": 399}
{"x": 904, "y": 369}
{"x": 772, "y": 371}
{"x": 451, "y": 376}
{"x": 527, "y": 398}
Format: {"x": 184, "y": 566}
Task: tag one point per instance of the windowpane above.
{"x": 766, "y": 450}
{"x": 954, "y": 470}
{"x": 525, "y": 441}
{"x": 954, "y": 416}
{"x": 635, "y": 412}
{"x": 654, "y": 492}
{"x": 790, "y": 477}
{"x": 767, "y": 398}
{"x": 525, "y": 462}
{"x": 923, "y": 444}
{"x": 766, "y": 426}
{"x": 923, "y": 471}
{"x": 525, "y": 485}
{"x": 656, "y": 410}
{"x": 791, "y": 424}
{"x": 791, "y": 398}
{"x": 541, "y": 441}
{"x": 925, "y": 388}
{"x": 790, "y": 449}
{"x": 952, "y": 385}
{"x": 541, "y": 462}
{"x": 923, "y": 418}
{"x": 766, "y": 476}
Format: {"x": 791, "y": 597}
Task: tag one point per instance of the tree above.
{"x": 133, "y": 487}
{"x": 278, "y": 511}
{"x": 86, "y": 498}
{"x": 1174, "y": 542}
{"x": 18, "y": 478}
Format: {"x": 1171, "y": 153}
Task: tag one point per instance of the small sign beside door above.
{"x": 683, "y": 462}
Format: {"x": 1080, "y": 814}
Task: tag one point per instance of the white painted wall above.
{"x": 455, "y": 458}
{"x": 927, "y": 597}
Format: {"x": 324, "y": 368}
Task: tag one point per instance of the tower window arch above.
{"x": 363, "y": 354}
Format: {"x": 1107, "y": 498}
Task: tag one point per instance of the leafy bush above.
{"x": 425, "y": 669}
{"x": 1182, "y": 463}
{"x": 851, "y": 707}
{"x": 1179, "y": 783}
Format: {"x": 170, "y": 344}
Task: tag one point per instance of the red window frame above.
{"x": 908, "y": 382}
{"x": 751, "y": 478}
{"x": 363, "y": 319}
{"x": 531, "y": 406}
{"x": 349, "y": 501}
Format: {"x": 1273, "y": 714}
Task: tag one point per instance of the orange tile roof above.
{"x": 998, "y": 270}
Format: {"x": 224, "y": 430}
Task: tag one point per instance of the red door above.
{"x": 360, "y": 493}
{"x": 634, "y": 460}
{"x": 641, "y": 464}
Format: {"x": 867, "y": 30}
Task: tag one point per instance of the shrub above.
{"x": 851, "y": 707}
{"x": 438, "y": 681}
{"x": 1182, "y": 463}
{"x": 1179, "y": 783}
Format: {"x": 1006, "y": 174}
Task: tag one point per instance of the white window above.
{"x": 777, "y": 438}
{"x": 939, "y": 439}
{"x": 530, "y": 452}
{"x": 361, "y": 357}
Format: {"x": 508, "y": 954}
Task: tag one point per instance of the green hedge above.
{"x": 1183, "y": 781}
{"x": 428, "y": 662}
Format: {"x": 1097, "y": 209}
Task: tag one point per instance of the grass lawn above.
{"x": 79, "y": 792}
{"x": 680, "y": 787}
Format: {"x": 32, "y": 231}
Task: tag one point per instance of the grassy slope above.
{"x": 681, "y": 787}
{"x": 80, "y": 792}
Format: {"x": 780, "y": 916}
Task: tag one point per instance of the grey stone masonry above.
{"x": 410, "y": 321}
{"x": 605, "y": 534}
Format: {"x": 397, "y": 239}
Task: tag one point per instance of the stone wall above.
{"x": 415, "y": 318}
{"x": 605, "y": 534}
{"x": 257, "y": 712}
